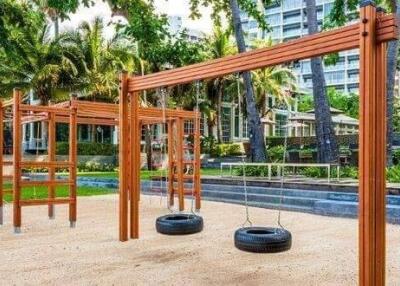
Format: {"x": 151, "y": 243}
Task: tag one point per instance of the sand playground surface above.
{"x": 48, "y": 252}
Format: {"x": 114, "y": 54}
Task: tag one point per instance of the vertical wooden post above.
{"x": 17, "y": 161}
{"x": 179, "y": 160}
{"x": 171, "y": 161}
{"x": 372, "y": 152}
{"x": 123, "y": 159}
{"x": 197, "y": 161}
{"x": 51, "y": 157}
{"x": 1, "y": 163}
{"x": 73, "y": 161}
{"x": 135, "y": 133}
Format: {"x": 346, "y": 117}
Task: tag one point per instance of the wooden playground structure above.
{"x": 370, "y": 35}
{"x": 74, "y": 112}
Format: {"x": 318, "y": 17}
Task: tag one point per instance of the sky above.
{"x": 169, "y": 7}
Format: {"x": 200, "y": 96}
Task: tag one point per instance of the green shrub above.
{"x": 393, "y": 174}
{"x": 396, "y": 156}
{"x": 96, "y": 167}
{"x": 315, "y": 172}
{"x": 208, "y": 145}
{"x": 226, "y": 149}
{"x": 275, "y": 154}
{"x": 89, "y": 149}
{"x": 252, "y": 171}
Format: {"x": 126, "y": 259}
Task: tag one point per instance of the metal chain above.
{"x": 283, "y": 171}
{"x": 245, "y": 195}
{"x": 246, "y": 202}
{"x": 197, "y": 127}
{"x": 163, "y": 183}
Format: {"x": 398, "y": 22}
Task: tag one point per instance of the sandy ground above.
{"x": 324, "y": 250}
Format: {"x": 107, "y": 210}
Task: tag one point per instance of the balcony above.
{"x": 291, "y": 33}
{"x": 291, "y": 20}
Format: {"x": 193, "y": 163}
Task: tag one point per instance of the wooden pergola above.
{"x": 370, "y": 35}
{"x": 74, "y": 112}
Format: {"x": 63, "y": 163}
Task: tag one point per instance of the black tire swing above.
{"x": 179, "y": 223}
{"x": 259, "y": 239}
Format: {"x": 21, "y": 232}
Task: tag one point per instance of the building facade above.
{"x": 288, "y": 21}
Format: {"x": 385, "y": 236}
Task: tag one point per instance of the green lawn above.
{"x": 41, "y": 192}
{"x": 144, "y": 174}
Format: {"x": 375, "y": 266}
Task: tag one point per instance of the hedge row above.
{"x": 341, "y": 139}
{"x": 89, "y": 149}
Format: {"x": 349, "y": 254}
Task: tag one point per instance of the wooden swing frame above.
{"x": 370, "y": 35}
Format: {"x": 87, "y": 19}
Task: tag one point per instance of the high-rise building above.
{"x": 288, "y": 21}
{"x": 176, "y": 26}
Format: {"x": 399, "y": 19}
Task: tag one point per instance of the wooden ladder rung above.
{"x": 185, "y": 177}
{"x": 46, "y": 183}
{"x": 46, "y": 164}
{"x": 7, "y": 191}
{"x": 8, "y": 163}
{"x": 40, "y": 202}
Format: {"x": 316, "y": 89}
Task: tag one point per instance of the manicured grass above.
{"x": 41, "y": 192}
{"x": 145, "y": 174}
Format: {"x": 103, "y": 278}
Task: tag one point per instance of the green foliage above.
{"x": 396, "y": 156}
{"x": 305, "y": 103}
{"x": 222, "y": 7}
{"x": 345, "y": 172}
{"x": 252, "y": 171}
{"x": 224, "y": 150}
{"x": 348, "y": 103}
{"x": 393, "y": 174}
{"x": 89, "y": 149}
{"x": 275, "y": 153}
{"x": 208, "y": 145}
{"x": 96, "y": 167}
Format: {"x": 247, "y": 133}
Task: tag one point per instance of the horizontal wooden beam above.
{"x": 38, "y": 108}
{"x": 340, "y": 39}
{"x": 53, "y": 164}
{"x": 46, "y": 183}
{"x": 40, "y": 202}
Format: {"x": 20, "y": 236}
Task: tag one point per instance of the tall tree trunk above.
{"x": 326, "y": 139}
{"x": 56, "y": 26}
{"x": 392, "y": 51}
{"x": 219, "y": 111}
{"x": 257, "y": 141}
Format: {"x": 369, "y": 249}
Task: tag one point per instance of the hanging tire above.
{"x": 263, "y": 239}
{"x": 179, "y": 224}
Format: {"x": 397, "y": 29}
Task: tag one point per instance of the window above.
{"x": 334, "y": 77}
{"x": 281, "y": 121}
{"x": 253, "y": 24}
{"x": 188, "y": 127}
{"x": 292, "y": 18}
{"x": 236, "y": 129}
{"x": 292, "y": 4}
{"x": 226, "y": 124}
{"x": 274, "y": 19}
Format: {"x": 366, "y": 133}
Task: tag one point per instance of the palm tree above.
{"x": 257, "y": 141}
{"x": 219, "y": 46}
{"x": 101, "y": 59}
{"x": 273, "y": 81}
{"x": 325, "y": 133}
{"x": 34, "y": 61}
